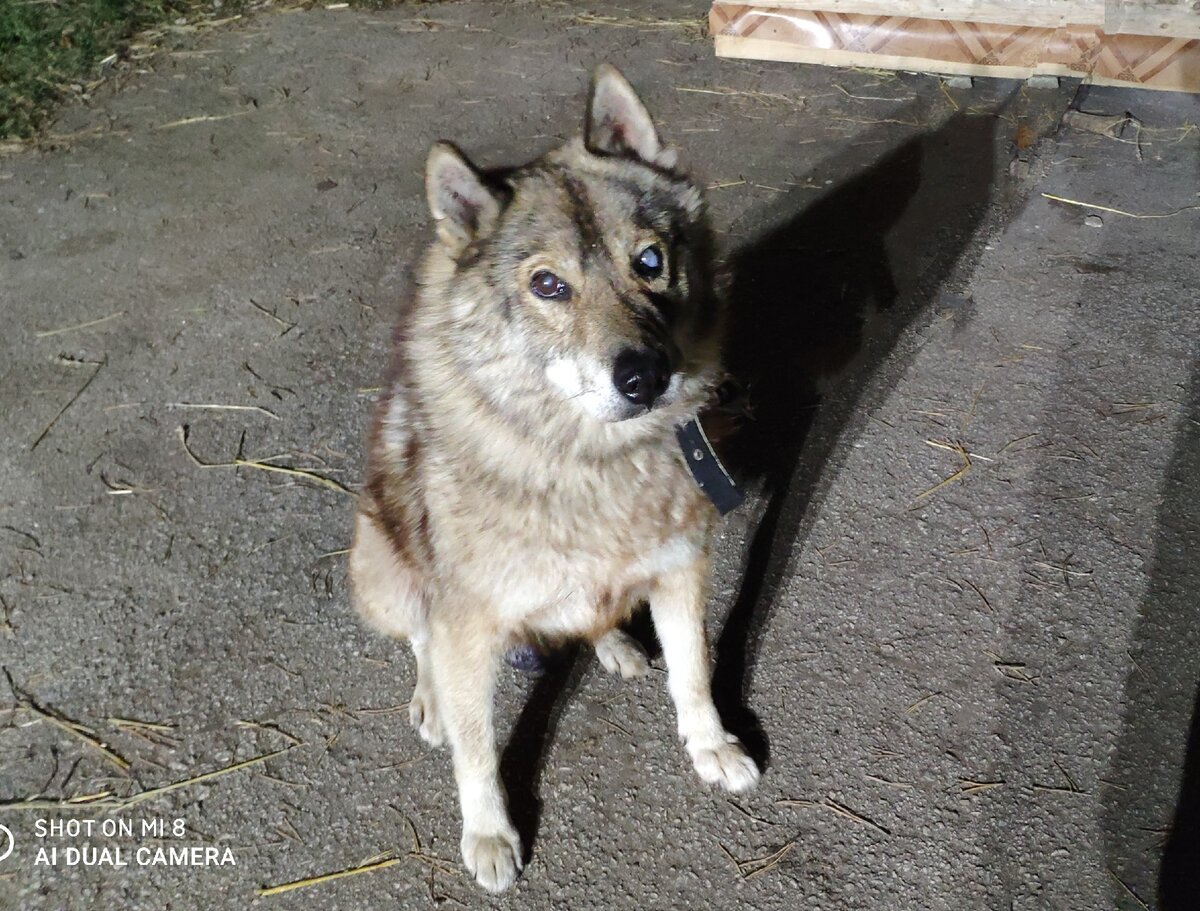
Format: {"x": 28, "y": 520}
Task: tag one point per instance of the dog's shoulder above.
{"x": 392, "y": 493}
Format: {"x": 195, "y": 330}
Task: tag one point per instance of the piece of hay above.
{"x": 150, "y": 731}
{"x": 106, "y": 800}
{"x": 240, "y": 462}
{"x": 205, "y": 406}
{"x": 203, "y": 118}
{"x": 99, "y": 365}
{"x": 962, "y": 453}
{"x": 967, "y": 786}
{"x": 753, "y": 866}
{"x": 69, "y": 725}
{"x": 47, "y": 333}
{"x": 1090, "y": 205}
{"x": 837, "y": 809}
{"x": 328, "y": 877}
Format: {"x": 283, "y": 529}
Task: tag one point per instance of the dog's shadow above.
{"x": 825, "y": 291}
{"x": 817, "y": 303}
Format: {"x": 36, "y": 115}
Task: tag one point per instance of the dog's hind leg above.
{"x": 389, "y": 596}
{"x": 677, "y": 605}
{"x": 423, "y": 713}
{"x": 619, "y": 653}
{"x": 463, "y": 653}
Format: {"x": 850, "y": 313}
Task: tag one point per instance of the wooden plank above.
{"x": 1042, "y": 13}
{"x": 963, "y": 48}
{"x": 1174, "y": 18}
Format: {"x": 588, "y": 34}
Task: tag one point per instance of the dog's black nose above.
{"x": 641, "y": 375}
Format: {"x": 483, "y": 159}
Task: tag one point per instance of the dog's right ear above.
{"x": 618, "y": 123}
{"x": 463, "y": 206}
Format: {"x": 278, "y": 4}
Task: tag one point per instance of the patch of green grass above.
{"x": 48, "y": 45}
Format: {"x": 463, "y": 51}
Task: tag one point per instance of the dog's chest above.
{"x": 578, "y": 560}
{"x": 580, "y": 595}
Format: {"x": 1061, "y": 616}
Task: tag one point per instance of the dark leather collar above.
{"x": 707, "y": 471}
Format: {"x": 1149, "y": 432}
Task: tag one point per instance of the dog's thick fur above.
{"x": 512, "y": 492}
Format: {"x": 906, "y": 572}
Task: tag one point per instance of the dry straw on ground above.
{"x": 262, "y": 465}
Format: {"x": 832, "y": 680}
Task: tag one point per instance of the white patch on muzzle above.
{"x": 566, "y": 376}
{"x": 590, "y": 387}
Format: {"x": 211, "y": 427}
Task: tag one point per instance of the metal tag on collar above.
{"x": 707, "y": 471}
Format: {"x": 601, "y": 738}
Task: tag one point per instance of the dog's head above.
{"x": 587, "y": 274}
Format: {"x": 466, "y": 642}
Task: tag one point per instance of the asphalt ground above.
{"x": 956, "y": 619}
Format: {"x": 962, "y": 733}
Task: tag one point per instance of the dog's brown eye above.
{"x": 649, "y": 263}
{"x": 549, "y": 286}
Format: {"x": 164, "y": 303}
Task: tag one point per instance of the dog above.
{"x": 526, "y": 480}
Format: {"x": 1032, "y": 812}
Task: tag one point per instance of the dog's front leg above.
{"x": 677, "y": 604}
{"x": 463, "y": 661}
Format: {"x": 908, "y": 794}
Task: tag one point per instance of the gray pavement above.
{"x": 957, "y": 621}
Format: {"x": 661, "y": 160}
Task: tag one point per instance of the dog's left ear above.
{"x": 463, "y": 206}
{"x": 618, "y": 123}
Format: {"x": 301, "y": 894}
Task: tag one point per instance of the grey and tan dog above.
{"x": 525, "y": 481}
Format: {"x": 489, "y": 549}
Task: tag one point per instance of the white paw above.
{"x": 423, "y": 715}
{"x": 619, "y": 653}
{"x": 726, "y": 764}
{"x": 494, "y": 858}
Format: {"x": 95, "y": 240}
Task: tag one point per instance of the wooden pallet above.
{"x": 795, "y": 30}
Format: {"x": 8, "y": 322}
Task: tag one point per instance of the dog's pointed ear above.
{"x": 463, "y": 206}
{"x": 618, "y": 123}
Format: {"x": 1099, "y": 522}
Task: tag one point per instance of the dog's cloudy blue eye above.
{"x": 547, "y": 285}
{"x": 649, "y": 263}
